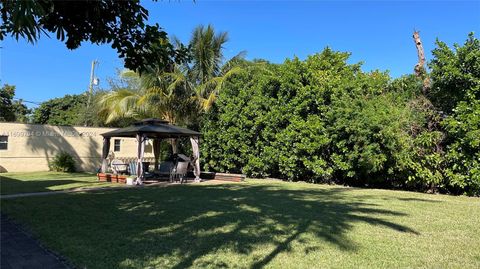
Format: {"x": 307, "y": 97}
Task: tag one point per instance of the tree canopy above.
{"x": 10, "y": 109}
{"x": 179, "y": 93}
{"x": 119, "y": 23}
{"x": 325, "y": 120}
{"x": 66, "y": 110}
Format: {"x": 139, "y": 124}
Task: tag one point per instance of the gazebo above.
{"x": 157, "y": 130}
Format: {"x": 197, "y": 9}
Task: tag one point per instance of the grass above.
{"x": 253, "y": 225}
{"x": 13, "y": 183}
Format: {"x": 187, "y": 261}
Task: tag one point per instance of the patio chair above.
{"x": 165, "y": 169}
{"x": 119, "y": 167}
{"x": 179, "y": 172}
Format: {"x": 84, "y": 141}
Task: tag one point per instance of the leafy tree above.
{"x": 22, "y": 112}
{"x": 7, "y": 93}
{"x": 455, "y": 74}
{"x": 67, "y": 110}
{"x": 232, "y": 137}
{"x": 11, "y": 110}
{"x": 324, "y": 120}
{"x": 456, "y": 90}
{"x": 273, "y": 122}
{"x": 119, "y": 23}
{"x": 463, "y": 148}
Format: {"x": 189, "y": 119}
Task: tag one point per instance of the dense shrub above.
{"x": 304, "y": 121}
{"x": 456, "y": 91}
{"x": 325, "y": 120}
{"x": 62, "y": 162}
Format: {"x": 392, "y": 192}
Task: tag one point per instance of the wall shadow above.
{"x": 185, "y": 224}
{"x": 50, "y": 140}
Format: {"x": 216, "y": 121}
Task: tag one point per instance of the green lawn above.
{"x": 12, "y": 183}
{"x": 255, "y": 224}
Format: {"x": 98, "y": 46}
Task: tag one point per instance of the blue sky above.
{"x": 377, "y": 33}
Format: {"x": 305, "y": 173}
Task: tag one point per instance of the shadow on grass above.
{"x": 181, "y": 226}
{"x": 11, "y": 185}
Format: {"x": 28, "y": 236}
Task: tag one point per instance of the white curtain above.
{"x": 156, "y": 151}
{"x": 140, "y": 152}
{"x": 105, "y": 150}
{"x": 196, "y": 157}
{"x": 173, "y": 141}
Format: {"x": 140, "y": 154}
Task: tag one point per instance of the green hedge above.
{"x": 325, "y": 120}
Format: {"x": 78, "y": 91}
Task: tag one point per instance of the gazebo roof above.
{"x": 152, "y": 128}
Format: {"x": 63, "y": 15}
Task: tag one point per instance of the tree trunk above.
{"x": 420, "y": 70}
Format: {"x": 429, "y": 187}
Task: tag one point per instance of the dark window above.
{"x": 116, "y": 145}
{"x": 3, "y": 142}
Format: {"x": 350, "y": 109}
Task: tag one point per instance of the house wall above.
{"x": 32, "y": 146}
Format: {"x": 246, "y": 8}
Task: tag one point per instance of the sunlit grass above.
{"x": 13, "y": 183}
{"x": 255, "y": 224}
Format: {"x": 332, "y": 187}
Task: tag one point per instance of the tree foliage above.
{"x": 10, "y": 109}
{"x": 325, "y": 120}
{"x": 66, "y": 110}
{"x": 166, "y": 95}
{"x": 119, "y": 23}
{"x": 456, "y": 90}
{"x": 178, "y": 93}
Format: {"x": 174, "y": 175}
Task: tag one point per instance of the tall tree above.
{"x": 456, "y": 91}
{"x": 455, "y": 73}
{"x": 168, "y": 96}
{"x": 179, "y": 92}
{"x": 208, "y": 68}
{"x": 10, "y": 109}
{"x": 66, "y": 110}
{"x": 207, "y": 52}
{"x": 119, "y": 23}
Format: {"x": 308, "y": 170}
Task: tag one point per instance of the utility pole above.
{"x": 90, "y": 89}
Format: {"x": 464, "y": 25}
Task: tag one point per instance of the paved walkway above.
{"x": 19, "y": 250}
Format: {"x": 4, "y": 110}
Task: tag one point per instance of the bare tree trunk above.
{"x": 420, "y": 70}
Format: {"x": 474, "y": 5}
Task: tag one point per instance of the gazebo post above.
{"x": 140, "y": 153}
{"x": 194, "y": 140}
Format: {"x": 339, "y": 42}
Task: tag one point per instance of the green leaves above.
{"x": 324, "y": 120}
{"x": 463, "y": 149}
{"x": 10, "y": 109}
{"x": 119, "y": 23}
{"x": 67, "y": 110}
{"x": 455, "y": 74}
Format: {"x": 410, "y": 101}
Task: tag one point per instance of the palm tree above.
{"x": 177, "y": 94}
{"x": 206, "y": 70}
{"x": 207, "y": 53}
{"x": 168, "y": 96}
